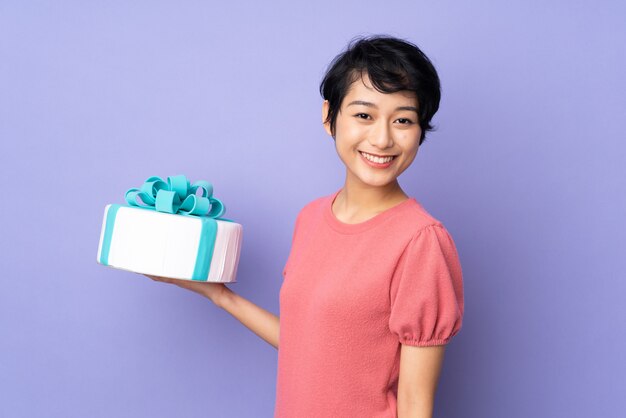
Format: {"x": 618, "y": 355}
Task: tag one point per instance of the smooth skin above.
{"x": 381, "y": 124}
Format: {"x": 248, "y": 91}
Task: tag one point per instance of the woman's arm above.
{"x": 263, "y": 323}
{"x": 419, "y": 374}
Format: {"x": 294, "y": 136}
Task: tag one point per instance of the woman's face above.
{"x": 375, "y": 123}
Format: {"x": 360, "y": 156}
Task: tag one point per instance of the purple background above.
{"x": 526, "y": 171}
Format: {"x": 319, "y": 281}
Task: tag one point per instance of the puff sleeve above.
{"x": 426, "y": 291}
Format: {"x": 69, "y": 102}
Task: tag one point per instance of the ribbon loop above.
{"x": 207, "y": 188}
{"x": 176, "y": 196}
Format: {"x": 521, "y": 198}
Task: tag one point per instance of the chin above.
{"x": 380, "y": 182}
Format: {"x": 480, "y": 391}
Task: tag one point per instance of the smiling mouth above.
{"x": 378, "y": 159}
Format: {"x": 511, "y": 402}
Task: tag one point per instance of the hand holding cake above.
{"x": 212, "y": 291}
{"x": 170, "y": 234}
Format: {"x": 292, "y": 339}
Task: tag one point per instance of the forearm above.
{"x": 415, "y": 407}
{"x": 260, "y": 321}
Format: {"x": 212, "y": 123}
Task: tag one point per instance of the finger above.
{"x": 157, "y": 278}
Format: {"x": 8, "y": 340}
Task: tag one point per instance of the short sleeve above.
{"x": 293, "y": 240}
{"x": 426, "y": 291}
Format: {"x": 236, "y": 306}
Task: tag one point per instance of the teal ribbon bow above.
{"x": 177, "y": 196}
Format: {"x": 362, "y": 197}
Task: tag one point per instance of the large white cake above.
{"x": 181, "y": 246}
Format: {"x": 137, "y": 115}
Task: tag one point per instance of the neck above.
{"x": 359, "y": 197}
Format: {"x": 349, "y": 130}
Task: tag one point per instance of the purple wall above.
{"x": 526, "y": 171}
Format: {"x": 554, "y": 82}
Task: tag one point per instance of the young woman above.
{"x": 373, "y": 287}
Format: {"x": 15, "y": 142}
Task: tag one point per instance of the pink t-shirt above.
{"x": 351, "y": 295}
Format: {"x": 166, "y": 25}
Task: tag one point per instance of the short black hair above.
{"x": 392, "y": 64}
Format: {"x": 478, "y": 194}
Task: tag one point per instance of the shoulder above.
{"x": 314, "y": 206}
{"x": 306, "y": 214}
{"x": 425, "y": 231}
{"x": 417, "y": 219}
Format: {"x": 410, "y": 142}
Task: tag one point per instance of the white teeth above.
{"x": 378, "y": 160}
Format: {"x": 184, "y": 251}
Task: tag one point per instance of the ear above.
{"x": 325, "y": 108}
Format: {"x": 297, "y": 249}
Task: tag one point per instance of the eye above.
{"x": 408, "y": 121}
{"x": 358, "y": 115}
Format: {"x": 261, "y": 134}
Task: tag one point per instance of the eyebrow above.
{"x": 364, "y": 103}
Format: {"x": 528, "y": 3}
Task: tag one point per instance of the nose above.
{"x": 381, "y": 136}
